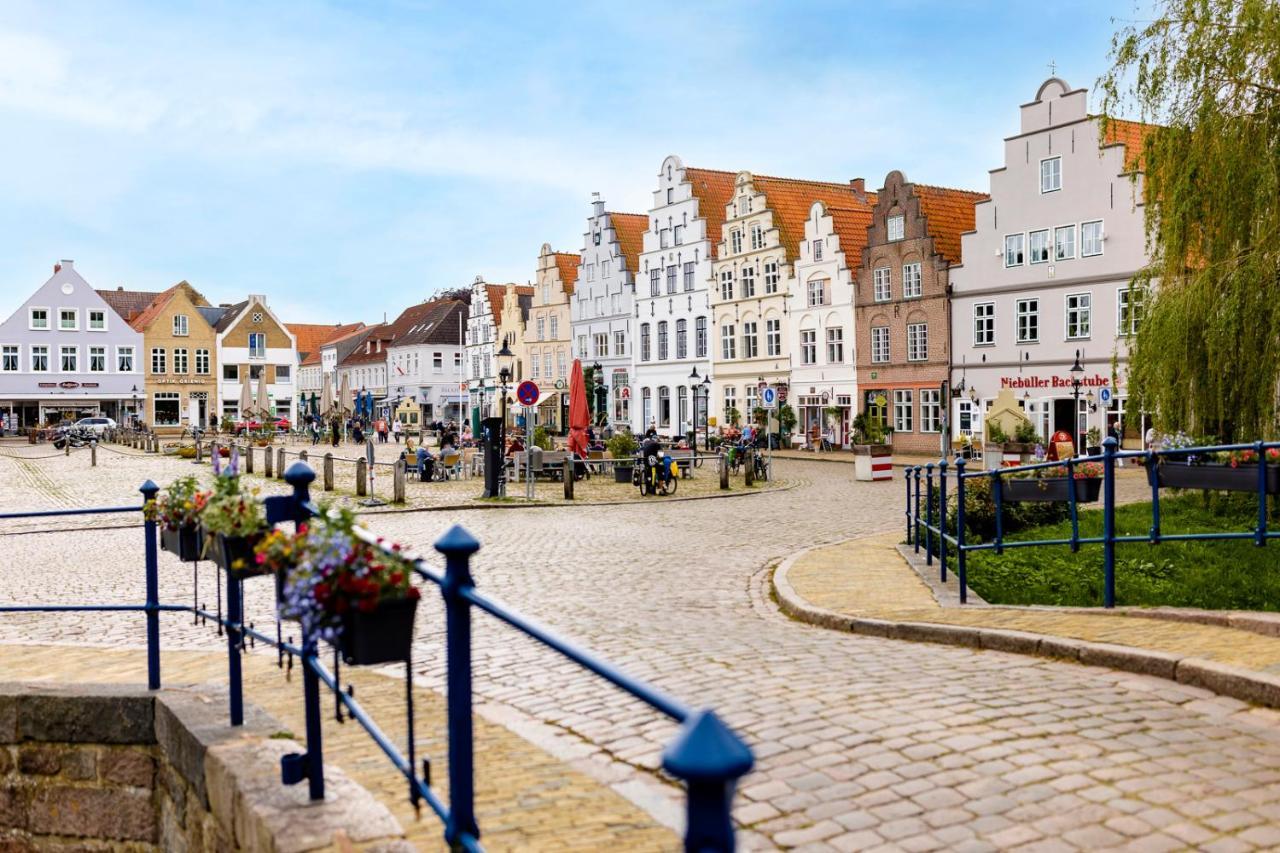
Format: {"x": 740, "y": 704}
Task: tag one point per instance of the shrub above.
{"x": 543, "y": 439}
{"x": 996, "y": 433}
{"x": 1026, "y": 433}
{"x": 623, "y": 445}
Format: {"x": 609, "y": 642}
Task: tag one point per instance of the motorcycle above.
{"x": 74, "y": 437}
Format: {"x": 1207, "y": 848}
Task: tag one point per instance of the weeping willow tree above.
{"x": 1207, "y": 354}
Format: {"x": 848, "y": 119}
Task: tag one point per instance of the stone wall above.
{"x": 118, "y": 769}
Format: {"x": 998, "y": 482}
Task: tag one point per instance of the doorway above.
{"x": 1063, "y": 420}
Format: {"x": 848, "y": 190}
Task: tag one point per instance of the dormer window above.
{"x": 895, "y": 227}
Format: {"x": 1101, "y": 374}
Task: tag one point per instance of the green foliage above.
{"x": 996, "y": 433}
{"x": 1093, "y": 436}
{"x": 868, "y": 430}
{"x": 227, "y": 424}
{"x": 1207, "y": 354}
{"x": 733, "y": 416}
{"x": 543, "y": 439}
{"x": 1026, "y": 433}
{"x": 759, "y": 416}
{"x": 622, "y": 445}
{"x": 980, "y": 511}
{"x": 786, "y": 418}
{"x": 1216, "y": 575}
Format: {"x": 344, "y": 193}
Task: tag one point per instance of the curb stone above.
{"x": 1258, "y": 688}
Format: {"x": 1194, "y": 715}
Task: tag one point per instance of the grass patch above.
{"x": 1214, "y": 575}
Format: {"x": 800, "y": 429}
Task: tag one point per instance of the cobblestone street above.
{"x": 860, "y": 742}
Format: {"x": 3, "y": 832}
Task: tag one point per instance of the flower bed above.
{"x": 1056, "y": 483}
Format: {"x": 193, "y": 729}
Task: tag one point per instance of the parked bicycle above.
{"x": 655, "y": 474}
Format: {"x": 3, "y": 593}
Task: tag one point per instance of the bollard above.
{"x": 66, "y": 449}
{"x": 710, "y": 759}
{"x": 397, "y": 482}
{"x": 961, "y": 563}
{"x": 724, "y": 472}
{"x": 567, "y": 476}
{"x": 328, "y": 472}
{"x": 362, "y": 477}
{"x": 279, "y": 463}
{"x": 199, "y": 452}
{"x": 457, "y": 546}
{"x": 93, "y": 454}
{"x": 248, "y": 458}
{"x": 749, "y": 468}
{"x": 1109, "y": 521}
{"x": 266, "y": 463}
{"x": 302, "y": 456}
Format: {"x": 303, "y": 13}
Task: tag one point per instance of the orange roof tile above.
{"x": 630, "y": 228}
{"x": 713, "y": 189}
{"x": 149, "y": 314}
{"x": 850, "y": 225}
{"x": 791, "y": 199}
{"x": 948, "y": 214}
{"x": 128, "y": 303}
{"x": 312, "y": 336}
{"x": 496, "y": 292}
{"x": 567, "y": 264}
{"x": 1131, "y": 134}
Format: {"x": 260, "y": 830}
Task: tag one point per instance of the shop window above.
{"x": 903, "y": 411}
{"x": 167, "y": 407}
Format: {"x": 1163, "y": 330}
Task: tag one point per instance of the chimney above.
{"x": 859, "y": 188}
{"x": 67, "y": 264}
{"x": 597, "y": 204}
{"x": 119, "y": 288}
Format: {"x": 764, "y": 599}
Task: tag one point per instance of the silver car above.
{"x": 97, "y": 425}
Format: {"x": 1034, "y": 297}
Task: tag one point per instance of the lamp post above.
{"x": 695, "y": 381}
{"x": 134, "y": 391}
{"x": 505, "y": 357}
{"x": 1076, "y": 384}
{"x": 602, "y": 395}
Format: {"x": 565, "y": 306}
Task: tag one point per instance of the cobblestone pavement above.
{"x": 861, "y": 742}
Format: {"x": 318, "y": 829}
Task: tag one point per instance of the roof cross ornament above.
{"x": 1053, "y": 68}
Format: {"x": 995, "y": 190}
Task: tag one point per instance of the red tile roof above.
{"x": 630, "y": 228}
{"x": 850, "y": 225}
{"x": 496, "y": 292}
{"x": 312, "y": 336}
{"x": 948, "y": 214}
{"x": 128, "y": 303}
{"x": 375, "y": 334}
{"x": 713, "y": 189}
{"x": 791, "y": 200}
{"x": 1131, "y": 134}
{"x": 157, "y": 305}
{"x": 567, "y": 264}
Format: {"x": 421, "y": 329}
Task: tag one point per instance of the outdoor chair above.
{"x": 450, "y": 465}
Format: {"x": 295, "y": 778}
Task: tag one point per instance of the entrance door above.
{"x": 1064, "y": 416}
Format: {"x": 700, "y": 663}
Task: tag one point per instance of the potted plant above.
{"x": 352, "y": 594}
{"x": 277, "y": 553}
{"x": 234, "y": 521}
{"x": 623, "y": 447}
{"x": 1054, "y": 484}
{"x": 1093, "y": 441}
{"x": 871, "y": 442}
{"x": 1228, "y": 471}
{"x": 177, "y": 512}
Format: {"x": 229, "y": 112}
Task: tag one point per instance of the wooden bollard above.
{"x": 568, "y": 478}
{"x": 267, "y": 459}
{"x": 279, "y": 463}
{"x": 248, "y": 458}
{"x": 362, "y": 477}
{"x": 328, "y": 472}
{"x": 749, "y": 467}
{"x": 397, "y": 482}
{"x": 302, "y": 456}
{"x": 724, "y": 472}
{"x": 199, "y": 452}
{"x": 93, "y": 454}
{"x": 66, "y": 449}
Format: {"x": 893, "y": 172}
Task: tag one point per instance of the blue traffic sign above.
{"x": 1105, "y": 395}
{"x": 527, "y": 393}
{"x": 769, "y": 397}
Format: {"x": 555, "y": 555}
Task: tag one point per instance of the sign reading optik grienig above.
{"x": 1094, "y": 381}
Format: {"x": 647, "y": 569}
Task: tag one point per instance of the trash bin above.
{"x": 494, "y": 472}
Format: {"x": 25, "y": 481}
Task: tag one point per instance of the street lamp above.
{"x": 505, "y": 358}
{"x": 1076, "y": 384}
{"x": 602, "y": 395}
{"x": 695, "y": 382}
{"x": 135, "y": 404}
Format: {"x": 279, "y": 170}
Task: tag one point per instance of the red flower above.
{"x": 396, "y": 578}
{"x": 368, "y": 605}
{"x": 412, "y": 593}
{"x": 321, "y": 591}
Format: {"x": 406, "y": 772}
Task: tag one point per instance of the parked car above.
{"x": 255, "y": 425}
{"x": 96, "y": 425}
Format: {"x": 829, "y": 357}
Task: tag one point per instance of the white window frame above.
{"x": 1068, "y": 229}
{"x": 1054, "y": 185}
{"x": 202, "y": 353}
{"x": 808, "y": 346}
{"x": 757, "y": 237}
{"x": 988, "y": 319}
{"x": 912, "y": 281}
{"x": 930, "y": 410}
{"x": 619, "y": 343}
{"x": 726, "y": 285}
{"x": 835, "y": 345}
{"x": 728, "y": 342}
{"x": 895, "y": 227}
{"x": 1125, "y": 304}
{"x": 771, "y": 277}
{"x": 75, "y": 352}
{"x": 917, "y": 342}
{"x": 89, "y": 312}
{"x": 815, "y": 250}
{"x": 773, "y": 337}
{"x": 1021, "y": 239}
{"x": 100, "y": 350}
{"x": 75, "y": 315}
{"x": 181, "y": 360}
{"x": 17, "y": 355}
{"x": 735, "y": 241}
{"x": 131, "y": 352}
{"x": 1100, "y": 240}
{"x": 821, "y": 291}
{"x": 181, "y": 326}
{"x": 31, "y": 319}
{"x": 1088, "y": 315}
{"x": 750, "y": 339}
{"x": 881, "y": 277}
{"x": 1020, "y": 312}
{"x": 1047, "y": 248}
{"x": 748, "y": 279}
{"x": 39, "y": 349}
{"x": 163, "y": 360}
{"x": 257, "y": 352}
{"x": 880, "y": 351}
{"x": 904, "y": 410}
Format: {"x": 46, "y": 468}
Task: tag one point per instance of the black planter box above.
{"x": 1219, "y": 478}
{"x": 235, "y": 555}
{"x": 622, "y": 473}
{"x": 1051, "y": 489}
{"x": 383, "y": 636}
{"x": 184, "y": 542}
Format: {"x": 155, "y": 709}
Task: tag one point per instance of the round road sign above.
{"x": 527, "y": 393}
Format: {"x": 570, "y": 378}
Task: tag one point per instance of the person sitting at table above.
{"x": 516, "y": 445}
{"x": 426, "y": 463}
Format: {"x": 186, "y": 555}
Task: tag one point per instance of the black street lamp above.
{"x": 135, "y": 404}
{"x": 505, "y": 357}
{"x": 1076, "y": 384}
{"x": 602, "y": 395}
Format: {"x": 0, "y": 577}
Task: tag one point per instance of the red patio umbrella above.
{"x": 579, "y": 417}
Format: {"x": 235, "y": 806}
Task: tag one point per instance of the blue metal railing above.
{"x": 706, "y": 755}
{"x": 942, "y": 537}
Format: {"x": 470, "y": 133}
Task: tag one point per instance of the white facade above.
{"x": 235, "y": 347}
{"x": 431, "y": 374}
{"x": 1046, "y": 273}
{"x": 479, "y": 353}
{"x": 603, "y": 310}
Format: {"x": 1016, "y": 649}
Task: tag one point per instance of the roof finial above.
{"x": 1053, "y": 68}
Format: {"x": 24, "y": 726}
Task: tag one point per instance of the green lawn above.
{"x": 1217, "y": 575}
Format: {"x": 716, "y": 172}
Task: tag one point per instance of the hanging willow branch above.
{"x": 1207, "y": 354}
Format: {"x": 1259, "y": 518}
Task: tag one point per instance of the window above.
{"x": 284, "y": 373}
{"x": 771, "y": 276}
{"x": 882, "y": 290}
{"x": 750, "y": 341}
{"x": 39, "y": 359}
{"x": 930, "y": 410}
{"x": 546, "y": 292}
{"x": 688, "y": 275}
{"x": 68, "y": 319}
{"x": 902, "y": 410}
{"x": 757, "y": 237}
{"x": 748, "y": 282}
{"x": 1078, "y": 315}
{"x": 542, "y": 329}
{"x": 1051, "y": 175}
{"x": 744, "y": 205}
{"x": 619, "y": 343}
{"x": 157, "y": 360}
{"x": 10, "y": 359}
{"x": 911, "y": 287}
{"x": 590, "y": 270}
{"x": 1090, "y": 238}
{"x": 1128, "y": 311}
{"x": 728, "y": 344}
{"x": 816, "y": 250}
{"x": 621, "y": 407}
{"x": 817, "y": 291}
{"x": 984, "y": 324}
{"x": 879, "y": 344}
{"x": 1013, "y": 250}
{"x": 180, "y": 325}
{"x": 662, "y": 341}
{"x": 39, "y": 318}
{"x": 582, "y": 346}
{"x": 773, "y": 337}
{"x": 69, "y": 359}
{"x": 97, "y": 359}
{"x": 700, "y": 337}
{"x": 437, "y": 362}
{"x": 168, "y": 408}
{"x": 180, "y": 360}
{"x": 555, "y": 327}
{"x": 257, "y": 345}
{"x": 735, "y": 241}
{"x": 646, "y": 410}
{"x": 896, "y": 227}
{"x": 655, "y": 281}
{"x": 730, "y": 401}
{"x": 682, "y": 401}
{"x": 1028, "y": 313}
{"x": 682, "y": 338}
{"x": 967, "y": 417}
{"x": 679, "y": 234}
{"x": 97, "y": 321}
{"x": 726, "y": 284}
{"x": 664, "y": 406}
{"x": 1039, "y": 247}
{"x": 808, "y": 346}
{"x": 546, "y": 363}
{"x": 535, "y": 365}
{"x": 664, "y": 240}
{"x": 644, "y": 341}
{"x": 601, "y": 340}
{"x": 231, "y": 372}
{"x": 917, "y": 342}
{"x": 835, "y": 345}
{"x": 1064, "y": 243}
{"x": 561, "y": 369}
{"x": 124, "y": 359}
{"x": 671, "y": 278}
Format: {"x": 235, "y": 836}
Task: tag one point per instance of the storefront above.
{"x": 824, "y": 415}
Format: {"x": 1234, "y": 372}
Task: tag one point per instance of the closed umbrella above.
{"x": 263, "y": 404}
{"x": 246, "y": 400}
{"x": 344, "y": 395}
{"x": 579, "y": 416}
{"x": 326, "y": 396}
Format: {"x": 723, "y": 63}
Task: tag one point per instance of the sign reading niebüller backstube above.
{"x": 1097, "y": 380}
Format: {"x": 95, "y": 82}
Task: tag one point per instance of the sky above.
{"x": 348, "y": 159}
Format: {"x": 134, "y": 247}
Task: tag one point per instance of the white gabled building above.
{"x": 425, "y": 361}
{"x": 603, "y": 302}
{"x": 672, "y": 317}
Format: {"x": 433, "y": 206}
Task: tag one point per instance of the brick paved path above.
{"x": 861, "y": 741}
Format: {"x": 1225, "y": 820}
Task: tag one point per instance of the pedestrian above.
{"x": 395, "y": 429}
{"x": 335, "y": 425}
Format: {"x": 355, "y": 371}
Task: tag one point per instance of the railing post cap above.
{"x": 149, "y": 489}
{"x": 456, "y": 540}
{"x": 1110, "y": 443}
{"x": 707, "y": 750}
{"x": 959, "y": 461}
{"x": 942, "y": 464}
{"x": 299, "y": 474}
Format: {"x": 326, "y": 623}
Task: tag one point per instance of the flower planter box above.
{"x": 623, "y": 473}
{"x": 1051, "y": 489}
{"x": 1214, "y": 477}
{"x": 872, "y": 462}
{"x": 235, "y": 555}
{"x": 383, "y": 636}
{"x": 184, "y": 542}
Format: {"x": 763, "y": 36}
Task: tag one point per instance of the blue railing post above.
{"x": 710, "y": 759}
{"x": 1109, "y": 520}
{"x": 235, "y": 615}
{"x": 313, "y": 761}
{"x": 1153, "y": 478}
{"x": 907, "y": 478}
{"x": 997, "y": 496}
{"x": 942, "y": 519}
{"x": 928, "y": 514}
{"x": 915, "y": 519}
{"x": 962, "y": 575}
{"x": 457, "y": 546}
{"x": 1074, "y": 506}
{"x": 1260, "y": 535}
{"x": 149, "y": 491}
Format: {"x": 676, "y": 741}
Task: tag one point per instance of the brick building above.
{"x": 902, "y": 308}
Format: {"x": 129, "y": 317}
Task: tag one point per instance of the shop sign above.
{"x": 88, "y": 384}
{"x": 46, "y": 384}
{"x": 68, "y": 385}
{"x": 1097, "y": 380}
